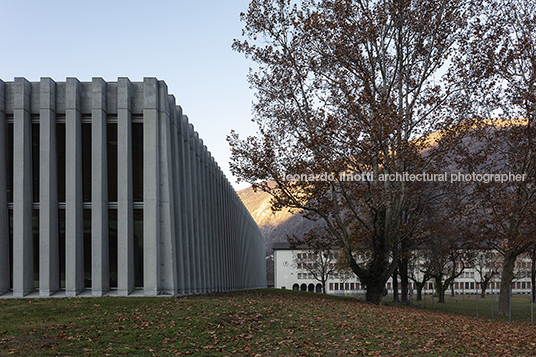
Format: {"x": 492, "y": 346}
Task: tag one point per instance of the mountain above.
{"x": 275, "y": 226}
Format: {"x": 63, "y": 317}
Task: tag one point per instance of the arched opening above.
{"x": 295, "y": 287}
{"x": 303, "y": 287}
{"x": 311, "y": 288}
{"x": 319, "y": 288}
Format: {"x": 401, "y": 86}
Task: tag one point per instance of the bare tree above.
{"x": 319, "y": 264}
{"x": 487, "y": 265}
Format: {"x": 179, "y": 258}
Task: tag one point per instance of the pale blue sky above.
{"x": 186, "y": 43}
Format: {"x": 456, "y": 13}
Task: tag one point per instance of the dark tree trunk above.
{"x": 533, "y": 275}
{"x": 374, "y": 291}
{"x": 440, "y": 290}
{"x": 404, "y": 279}
{"x": 506, "y": 281}
{"x": 483, "y": 288}
{"x": 395, "y": 286}
{"x": 420, "y": 286}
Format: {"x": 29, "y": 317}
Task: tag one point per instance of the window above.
{"x": 299, "y": 265}
{"x": 351, "y": 286}
{"x": 347, "y": 286}
{"x": 299, "y": 275}
{"x": 336, "y": 286}
{"x": 138, "y": 247}
{"x": 330, "y": 286}
{"x": 112, "y": 162}
{"x": 137, "y": 162}
{"x": 298, "y": 255}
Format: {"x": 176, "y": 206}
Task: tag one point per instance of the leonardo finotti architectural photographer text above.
{"x": 409, "y": 177}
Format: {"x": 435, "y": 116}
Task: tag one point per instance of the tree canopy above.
{"x": 348, "y": 94}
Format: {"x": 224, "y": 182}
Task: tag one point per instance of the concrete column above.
{"x": 125, "y": 211}
{"x": 226, "y": 238}
{"x": 168, "y": 251}
{"x": 49, "y": 255}
{"x": 23, "y": 270}
{"x": 151, "y": 190}
{"x": 5, "y": 269}
{"x": 210, "y": 219}
{"x": 194, "y": 249}
{"x": 218, "y": 223}
{"x": 176, "y": 142}
{"x": 212, "y": 252}
{"x": 100, "y": 265}
{"x": 201, "y": 210}
{"x": 195, "y": 271}
{"x": 221, "y": 230}
{"x": 186, "y": 203}
{"x": 74, "y": 238}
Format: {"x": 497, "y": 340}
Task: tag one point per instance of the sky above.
{"x": 186, "y": 43}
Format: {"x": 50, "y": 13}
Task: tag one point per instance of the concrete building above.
{"x": 105, "y": 188}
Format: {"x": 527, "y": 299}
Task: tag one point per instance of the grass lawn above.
{"x": 471, "y": 305}
{"x": 254, "y": 323}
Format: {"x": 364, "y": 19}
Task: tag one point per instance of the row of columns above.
{"x": 197, "y": 235}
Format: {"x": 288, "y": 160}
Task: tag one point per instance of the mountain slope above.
{"x": 275, "y": 226}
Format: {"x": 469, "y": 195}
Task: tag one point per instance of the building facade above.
{"x": 290, "y": 273}
{"x": 106, "y": 188}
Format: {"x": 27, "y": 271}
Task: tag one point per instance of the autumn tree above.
{"x": 345, "y": 89}
{"x": 317, "y": 255}
{"x": 419, "y": 273}
{"x": 446, "y": 251}
{"x": 497, "y": 66}
{"x": 487, "y": 265}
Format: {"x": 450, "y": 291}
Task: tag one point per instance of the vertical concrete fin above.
{"x": 151, "y": 188}
{"x": 74, "y": 238}
{"x": 168, "y": 242}
{"x": 125, "y": 212}
{"x": 5, "y": 269}
{"x": 49, "y": 254}
{"x": 23, "y": 269}
{"x": 100, "y": 265}
{"x": 186, "y": 202}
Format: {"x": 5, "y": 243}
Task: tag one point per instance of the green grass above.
{"x": 471, "y": 305}
{"x": 255, "y": 323}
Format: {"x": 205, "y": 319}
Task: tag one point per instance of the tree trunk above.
{"x": 404, "y": 279}
{"x": 374, "y": 291}
{"x": 440, "y": 291}
{"x": 420, "y": 286}
{"x": 533, "y": 276}
{"x": 395, "y": 286}
{"x": 483, "y": 288}
{"x": 506, "y": 281}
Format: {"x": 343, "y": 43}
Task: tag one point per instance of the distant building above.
{"x": 290, "y": 275}
{"x": 106, "y": 188}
